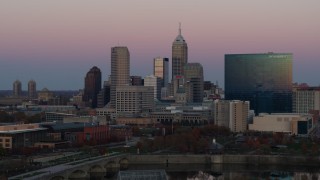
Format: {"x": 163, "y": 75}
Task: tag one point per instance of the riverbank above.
{"x": 225, "y": 159}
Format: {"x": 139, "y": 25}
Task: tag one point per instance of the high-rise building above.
{"x": 232, "y": 114}
{"x": 179, "y": 55}
{"x": 305, "y": 99}
{"x": 120, "y": 71}
{"x": 134, "y": 100}
{"x": 193, "y": 75}
{"x": 32, "y": 89}
{"x": 263, "y": 79}
{"x": 17, "y": 88}
{"x": 154, "y": 82}
{"x": 104, "y": 95}
{"x": 161, "y": 69}
{"x": 92, "y": 86}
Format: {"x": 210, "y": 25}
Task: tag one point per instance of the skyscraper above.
{"x": 92, "y": 86}
{"x": 193, "y": 75}
{"x": 154, "y": 82}
{"x": 179, "y": 55}
{"x": 32, "y": 89}
{"x": 263, "y": 79}
{"x": 17, "y": 88}
{"x": 120, "y": 71}
{"x": 161, "y": 69}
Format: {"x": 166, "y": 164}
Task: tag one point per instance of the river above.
{"x": 226, "y": 171}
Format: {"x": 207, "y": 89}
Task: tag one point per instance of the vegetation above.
{"x": 183, "y": 140}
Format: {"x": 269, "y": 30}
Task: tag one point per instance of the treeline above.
{"x": 20, "y": 117}
{"x": 184, "y": 140}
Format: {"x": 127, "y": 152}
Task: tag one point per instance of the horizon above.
{"x": 61, "y": 41}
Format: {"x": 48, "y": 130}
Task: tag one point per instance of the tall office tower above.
{"x": 239, "y": 115}
{"x": 120, "y": 71}
{"x": 263, "y": 79}
{"x": 32, "y": 89}
{"x": 161, "y": 70}
{"x": 179, "y": 55}
{"x": 305, "y": 99}
{"x": 154, "y": 82}
{"x": 232, "y": 114}
{"x": 17, "y": 88}
{"x": 136, "y": 81}
{"x": 193, "y": 75}
{"x": 92, "y": 86}
{"x": 104, "y": 95}
{"x": 134, "y": 100}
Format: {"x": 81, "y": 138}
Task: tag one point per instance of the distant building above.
{"x": 193, "y": 76}
{"x": 45, "y": 95}
{"x": 290, "y": 123}
{"x": 120, "y": 71}
{"x": 18, "y": 136}
{"x": 179, "y": 55}
{"x": 104, "y": 95}
{"x": 233, "y": 114}
{"x": 161, "y": 70}
{"x": 134, "y": 99}
{"x": 263, "y": 79}
{"x": 305, "y": 99}
{"x": 17, "y": 92}
{"x": 32, "y": 89}
{"x": 136, "y": 81}
{"x": 92, "y": 86}
{"x": 154, "y": 82}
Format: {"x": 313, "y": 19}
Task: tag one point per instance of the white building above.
{"x": 290, "y": 123}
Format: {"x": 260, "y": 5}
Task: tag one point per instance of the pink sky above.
{"x": 57, "y": 42}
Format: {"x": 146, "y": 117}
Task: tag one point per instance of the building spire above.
{"x": 179, "y": 28}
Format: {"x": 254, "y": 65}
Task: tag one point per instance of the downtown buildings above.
{"x": 263, "y": 79}
{"x": 92, "y": 86}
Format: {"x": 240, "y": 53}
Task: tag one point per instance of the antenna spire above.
{"x": 179, "y": 28}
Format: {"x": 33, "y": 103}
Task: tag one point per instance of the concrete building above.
{"x": 161, "y": 70}
{"x": 305, "y": 99}
{"x": 136, "y": 81}
{"x": 233, "y": 114}
{"x": 179, "y": 55}
{"x": 45, "y": 95}
{"x": 92, "y": 86}
{"x": 17, "y": 92}
{"x": 18, "y": 136}
{"x": 155, "y": 82}
{"x": 104, "y": 95}
{"x": 193, "y": 77}
{"x": 295, "y": 124}
{"x": 134, "y": 100}
{"x": 120, "y": 71}
{"x": 136, "y": 121}
{"x": 32, "y": 89}
{"x": 263, "y": 79}
{"x": 183, "y": 115}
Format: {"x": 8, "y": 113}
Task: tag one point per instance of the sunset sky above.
{"x": 55, "y": 42}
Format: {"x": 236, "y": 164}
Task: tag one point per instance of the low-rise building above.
{"x": 21, "y": 135}
{"x": 295, "y": 124}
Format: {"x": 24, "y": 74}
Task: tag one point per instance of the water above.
{"x": 226, "y": 172}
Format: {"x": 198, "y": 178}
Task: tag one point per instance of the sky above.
{"x": 56, "y": 42}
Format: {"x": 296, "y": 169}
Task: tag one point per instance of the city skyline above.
{"x": 60, "y": 41}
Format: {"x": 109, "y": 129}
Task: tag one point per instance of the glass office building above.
{"x": 263, "y": 79}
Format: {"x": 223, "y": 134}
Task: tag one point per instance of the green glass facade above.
{"x": 263, "y": 79}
